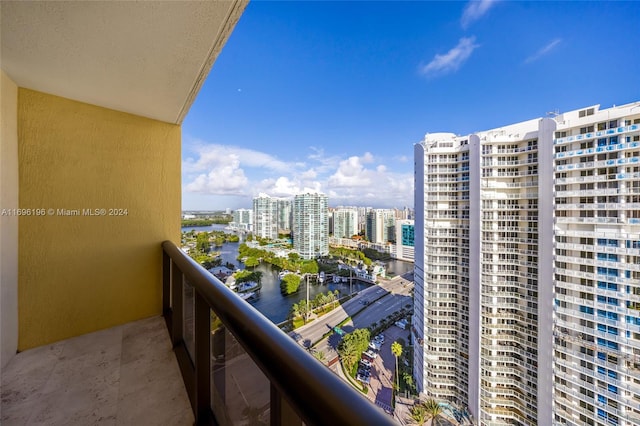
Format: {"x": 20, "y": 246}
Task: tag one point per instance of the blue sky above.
{"x": 332, "y": 96}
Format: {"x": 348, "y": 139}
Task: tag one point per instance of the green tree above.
{"x": 202, "y": 242}
{"x": 348, "y": 351}
{"x": 396, "y": 350}
{"x": 251, "y": 262}
{"x": 319, "y": 355}
{"x": 290, "y": 284}
{"x": 294, "y": 257}
{"x": 418, "y": 414}
{"x": 433, "y": 410}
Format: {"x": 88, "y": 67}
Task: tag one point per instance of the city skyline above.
{"x": 330, "y": 97}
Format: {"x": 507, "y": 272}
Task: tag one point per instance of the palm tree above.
{"x": 418, "y": 414}
{"x": 433, "y": 409}
{"x": 396, "y": 350}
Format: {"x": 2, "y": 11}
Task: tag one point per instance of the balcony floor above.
{"x": 126, "y": 375}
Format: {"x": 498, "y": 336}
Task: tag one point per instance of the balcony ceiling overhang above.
{"x": 148, "y": 58}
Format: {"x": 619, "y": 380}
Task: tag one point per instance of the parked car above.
{"x": 379, "y": 339}
{"x": 365, "y": 362}
{"x": 371, "y": 354}
{"x": 374, "y": 346}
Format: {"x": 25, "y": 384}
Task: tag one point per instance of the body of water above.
{"x": 270, "y": 302}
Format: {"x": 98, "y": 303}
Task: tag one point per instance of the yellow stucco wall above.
{"x": 83, "y": 273}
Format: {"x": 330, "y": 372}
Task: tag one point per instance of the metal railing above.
{"x": 237, "y": 366}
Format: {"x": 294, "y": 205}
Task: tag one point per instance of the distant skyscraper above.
{"x": 345, "y": 222}
{"x": 380, "y": 226}
{"x": 242, "y": 219}
{"x": 311, "y": 225}
{"x": 285, "y": 215}
{"x": 405, "y": 240}
{"x": 265, "y": 216}
{"x": 527, "y": 269}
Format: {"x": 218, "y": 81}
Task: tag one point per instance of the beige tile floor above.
{"x": 126, "y": 375}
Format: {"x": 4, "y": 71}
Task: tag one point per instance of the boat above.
{"x": 246, "y": 296}
{"x": 321, "y": 277}
{"x": 247, "y": 286}
{"x": 283, "y": 273}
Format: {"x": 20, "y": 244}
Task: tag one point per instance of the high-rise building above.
{"x": 265, "y": 216}
{"x": 345, "y": 222}
{"x": 285, "y": 215}
{"x": 597, "y": 266}
{"x": 380, "y": 225}
{"x": 527, "y": 269}
{"x": 311, "y": 225}
{"x": 405, "y": 240}
{"x": 242, "y": 220}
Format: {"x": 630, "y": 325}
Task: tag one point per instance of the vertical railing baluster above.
{"x": 281, "y": 412}
{"x": 176, "y": 303}
{"x": 166, "y": 289}
{"x": 202, "y": 318}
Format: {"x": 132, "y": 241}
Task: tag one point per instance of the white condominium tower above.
{"x": 380, "y": 225}
{"x": 527, "y": 269}
{"x": 345, "y": 222}
{"x": 285, "y": 215}
{"x": 597, "y": 267}
{"x": 242, "y": 219}
{"x": 265, "y": 216}
{"x": 311, "y": 225}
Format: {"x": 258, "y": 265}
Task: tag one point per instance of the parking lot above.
{"x": 381, "y": 373}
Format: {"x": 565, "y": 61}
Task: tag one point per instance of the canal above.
{"x": 270, "y": 302}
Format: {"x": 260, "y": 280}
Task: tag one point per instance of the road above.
{"x": 383, "y": 299}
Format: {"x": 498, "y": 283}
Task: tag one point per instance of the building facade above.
{"x": 311, "y": 225}
{"x": 405, "y": 240}
{"x": 265, "y": 217}
{"x": 380, "y": 225}
{"x": 527, "y": 269}
{"x": 345, "y": 222}
{"x": 242, "y": 220}
{"x": 285, "y": 215}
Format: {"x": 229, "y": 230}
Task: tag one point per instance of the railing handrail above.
{"x": 317, "y": 395}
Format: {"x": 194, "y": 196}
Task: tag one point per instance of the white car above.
{"x": 371, "y": 354}
{"x": 365, "y": 362}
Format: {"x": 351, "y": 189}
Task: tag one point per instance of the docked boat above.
{"x": 247, "y": 286}
{"x": 281, "y": 274}
{"x": 246, "y": 296}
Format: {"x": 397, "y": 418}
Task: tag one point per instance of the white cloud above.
{"x": 225, "y": 178}
{"x": 352, "y": 173}
{"x": 475, "y": 10}
{"x": 452, "y": 60}
{"x": 543, "y": 51}
{"x": 233, "y": 173}
{"x": 209, "y": 154}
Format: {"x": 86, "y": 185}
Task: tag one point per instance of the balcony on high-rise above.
{"x": 103, "y": 319}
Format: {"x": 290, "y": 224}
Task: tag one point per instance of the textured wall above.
{"x": 8, "y": 223}
{"x": 81, "y": 273}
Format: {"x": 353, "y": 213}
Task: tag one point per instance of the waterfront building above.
{"x": 345, "y": 222}
{"x": 311, "y": 225}
{"x": 597, "y": 266}
{"x": 242, "y": 220}
{"x": 380, "y": 225}
{"x": 405, "y": 240}
{"x": 527, "y": 272}
{"x": 285, "y": 215}
{"x": 265, "y": 216}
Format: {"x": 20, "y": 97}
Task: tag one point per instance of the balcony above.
{"x": 93, "y": 98}
{"x": 123, "y": 375}
{"x": 237, "y": 368}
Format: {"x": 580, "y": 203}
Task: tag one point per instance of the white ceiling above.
{"x": 148, "y": 58}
